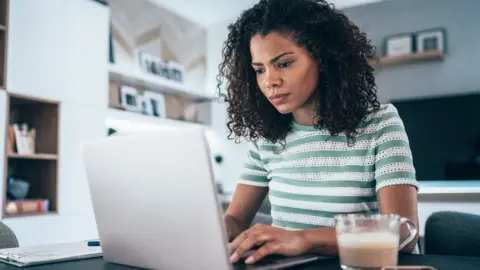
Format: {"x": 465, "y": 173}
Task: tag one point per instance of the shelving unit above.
{"x": 128, "y": 122}
{"x": 177, "y": 96}
{"x": 39, "y": 168}
{"x": 410, "y": 58}
{"x": 137, "y": 78}
{"x": 3, "y": 42}
{"x": 33, "y": 156}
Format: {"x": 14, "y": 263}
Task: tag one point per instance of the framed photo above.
{"x": 150, "y": 63}
{"x": 169, "y": 70}
{"x": 155, "y": 104}
{"x": 142, "y": 104}
{"x": 400, "y": 44}
{"x": 176, "y": 71}
{"x": 431, "y": 40}
{"x": 128, "y": 98}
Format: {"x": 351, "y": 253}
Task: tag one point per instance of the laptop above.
{"x": 156, "y": 204}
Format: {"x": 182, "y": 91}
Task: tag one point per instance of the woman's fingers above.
{"x": 232, "y": 246}
{"x": 247, "y": 240}
{"x": 267, "y": 249}
{"x": 250, "y": 242}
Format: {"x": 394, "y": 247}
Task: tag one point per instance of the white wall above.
{"x": 234, "y": 153}
{"x": 58, "y": 50}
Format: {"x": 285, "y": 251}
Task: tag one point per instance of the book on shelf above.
{"x": 28, "y": 206}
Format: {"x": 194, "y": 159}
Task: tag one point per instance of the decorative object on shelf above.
{"x": 155, "y": 104}
{"x": 23, "y": 139}
{"x": 195, "y": 111}
{"x": 169, "y": 70}
{"x": 190, "y": 113}
{"x": 430, "y": 40}
{"x": 401, "y": 44}
{"x": 128, "y": 98}
{"x": 17, "y": 188}
{"x": 111, "y": 131}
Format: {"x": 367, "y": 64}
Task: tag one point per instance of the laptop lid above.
{"x": 155, "y": 200}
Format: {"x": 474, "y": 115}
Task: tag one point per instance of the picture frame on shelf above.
{"x": 399, "y": 44}
{"x": 149, "y": 63}
{"x": 155, "y": 104}
{"x": 431, "y": 40}
{"x": 128, "y": 98}
{"x": 155, "y": 65}
{"x": 164, "y": 71}
{"x": 143, "y": 104}
{"x": 176, "y": 71}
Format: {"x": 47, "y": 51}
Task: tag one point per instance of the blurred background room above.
{"x": 78, "y": 70}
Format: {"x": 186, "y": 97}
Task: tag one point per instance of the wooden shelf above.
{"x": 33, "y": 156}
{"x": 126, "y": 121}
{"x": 410, "y": 58}
{"x": 39, "y": 170}
{"x": 4, "y": 4}
{"x": 31, "y": 215}
{"x": 137, "y": 78}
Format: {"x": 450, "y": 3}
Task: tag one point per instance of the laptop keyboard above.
{"x": 241, "y": 264}
{"x": 269, "y": 260}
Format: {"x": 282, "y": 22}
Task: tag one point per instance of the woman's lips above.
{"x": 278, "y": 99}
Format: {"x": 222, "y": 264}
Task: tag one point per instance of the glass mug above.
{"x": 370, "y": 241}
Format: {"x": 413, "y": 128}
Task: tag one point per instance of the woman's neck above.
{"x": 306, "y": 115}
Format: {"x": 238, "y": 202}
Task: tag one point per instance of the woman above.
{"x": 301, "y": 89}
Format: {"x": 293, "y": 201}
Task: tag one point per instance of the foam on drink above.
{"x": 368, "y": 249}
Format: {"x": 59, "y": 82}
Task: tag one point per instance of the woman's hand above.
{"x": 272, "y": 241}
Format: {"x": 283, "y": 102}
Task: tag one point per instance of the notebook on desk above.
{"x": 45, "y": 254}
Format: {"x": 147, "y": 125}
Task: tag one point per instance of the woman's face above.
{"x": 286, "y": 73}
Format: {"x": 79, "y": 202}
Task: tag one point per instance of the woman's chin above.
{"x": 285, "y": 108}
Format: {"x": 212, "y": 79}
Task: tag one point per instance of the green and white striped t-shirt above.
{"x": 318, "y": 175}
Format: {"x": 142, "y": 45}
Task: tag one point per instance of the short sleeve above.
{"x": 393, "y": 160}
{"x": 254, "y": 173}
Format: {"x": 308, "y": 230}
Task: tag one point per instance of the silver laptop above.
{"x": 156, "y": 204}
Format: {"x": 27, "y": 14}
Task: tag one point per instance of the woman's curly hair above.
{"x": 346, "y": 90}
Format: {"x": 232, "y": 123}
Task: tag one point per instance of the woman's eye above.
{"x": 284, "y": 64}
{"x": 259, "y": 71}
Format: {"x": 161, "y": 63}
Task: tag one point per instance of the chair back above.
{"x": 452, "y": 233}
{"x": 8, "y": 239}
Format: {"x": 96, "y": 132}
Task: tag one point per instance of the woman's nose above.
{"x": 272, "y": 79}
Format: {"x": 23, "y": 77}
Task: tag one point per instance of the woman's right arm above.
{"x": 241, "y": 211}
{"x": 249, "y": 194}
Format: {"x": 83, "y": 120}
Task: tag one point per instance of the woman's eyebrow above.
{"x": 273, "y": 60}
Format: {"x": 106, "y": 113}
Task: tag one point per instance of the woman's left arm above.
{"x": 396, "y": 183}
{"x": 401, "y": 200}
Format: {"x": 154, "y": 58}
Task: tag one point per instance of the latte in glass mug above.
{"x": 370, "y": 241}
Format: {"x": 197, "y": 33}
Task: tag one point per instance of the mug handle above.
{"x": 412, "y": 231}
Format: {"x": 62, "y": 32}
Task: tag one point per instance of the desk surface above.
{"x": 438, "y": 261}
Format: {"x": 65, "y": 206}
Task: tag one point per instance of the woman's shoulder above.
{"x": 384, "y": 113}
